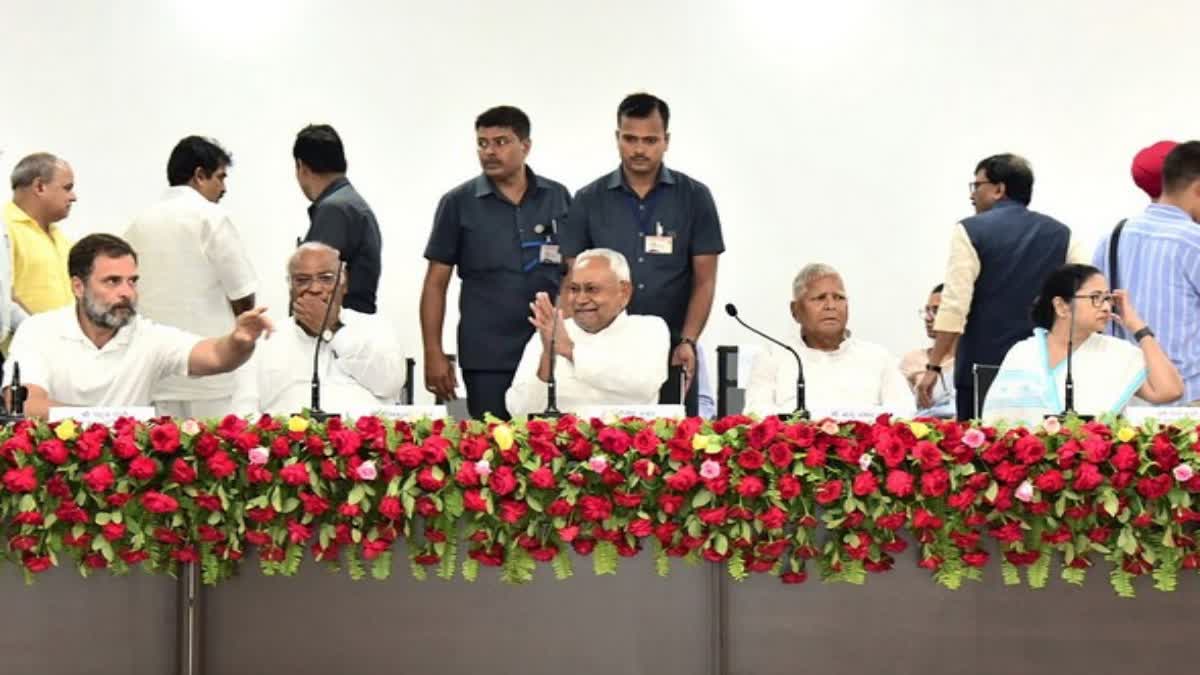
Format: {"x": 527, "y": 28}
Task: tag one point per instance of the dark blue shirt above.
{"x": 496, "y": 246}
{"x": 608, "y": 214}
{"x": 341, "y": 218}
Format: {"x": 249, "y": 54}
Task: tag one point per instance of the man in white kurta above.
{"x": 359, "y": 361}
{"x": 603, "y": 356}
{"x": 196, "y": 274}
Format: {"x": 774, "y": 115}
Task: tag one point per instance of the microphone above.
{"x": 315, "y": 407}
{"x": 1069, "y": 393}
{"x": 552, "y": 410}
{"x": 801, "y": 411}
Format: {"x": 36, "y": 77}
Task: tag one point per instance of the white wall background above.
{"x": 840, "y": 132}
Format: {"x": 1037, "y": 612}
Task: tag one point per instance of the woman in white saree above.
{"x": 1107, "y": 371}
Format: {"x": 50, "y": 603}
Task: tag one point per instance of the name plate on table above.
{"x": 648, "y": 411}
{"x": 856, "y": 414}
{"x": 101, "y": 414}
{"x": 399, "y": 412}
{"x": 1164, "y": 415}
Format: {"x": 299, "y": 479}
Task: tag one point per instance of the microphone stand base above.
{"x": 7, "y": 419}
{"x": 551, "y": 413}
{"x": 322, "y": 416}
{"x": 795, "y": 415}
{"x": 1066, "y": 414}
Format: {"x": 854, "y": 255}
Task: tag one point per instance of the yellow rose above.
{"x": 65, "y": 430}
{"x": 503, "y": 434}
{"x": 297, "y": 424}
{"x": 1126, "y": 434}
{"x": 699, "y": 442}
{"x": 919, "y": 429}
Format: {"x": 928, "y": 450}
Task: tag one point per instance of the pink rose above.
{"x": 1183, "y": 473}
{"x": 259, "y": 455}
{"x": 1025, "y": 489}
{"x": 710, "y": 469}
{"x": 974, "y": 438}
{"x": 367, "y": 470}
{"x": 598, "y": 463}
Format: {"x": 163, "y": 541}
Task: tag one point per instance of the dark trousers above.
{"x": 485, "y": 392}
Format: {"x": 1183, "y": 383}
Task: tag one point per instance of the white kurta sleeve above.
{"x": 28, "y": 349}
{"x": 245, "y": 388}
{"x": 632, "y": 364}
{"x": 894, "y": 392}
{"x": 763, "y": 390}
{"x": 368, "y": 353}
{"x": 527, "y": 393}
{"x": 223, "y": 248}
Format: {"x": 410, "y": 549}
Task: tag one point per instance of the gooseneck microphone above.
{"x": 801, "y": 411}
{"x": 1069, "y": 389}
{"x": 315, "y": 388}
{"x": 552, "y": 410}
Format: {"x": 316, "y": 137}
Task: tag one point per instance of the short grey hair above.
{"x": 32, "y": 167}
{"x": 616, "y": 262}
{"x": 311, "y": 247}
{"x": 810, "y": 273}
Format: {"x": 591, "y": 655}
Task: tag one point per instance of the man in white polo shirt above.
{"x": 194, "y": 269}
{"x": 359, "y": 362}
{"x": 100, "y": 352}
{"x": 604, "y": 355}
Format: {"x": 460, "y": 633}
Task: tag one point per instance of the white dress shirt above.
{"x": 55, "y": 355}
{"x": 192, "y": 262}
{"x": 361, "y": 367}
{"x": 624, "y": 364}
{"x": 858, "y": 374}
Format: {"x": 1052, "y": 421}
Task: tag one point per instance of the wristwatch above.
{"x": 688, "y": 341}
{"x": 1145, "y": 332}
{"x": 933, "y": 368}
{"x": 327, "y": 336}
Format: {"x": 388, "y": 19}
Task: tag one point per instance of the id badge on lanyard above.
{"x": 548, "y": 251}
{"x": 659, "y": 243}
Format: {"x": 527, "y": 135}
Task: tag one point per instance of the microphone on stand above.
{"x": 315, "y": 408}
{"x": 552, "y": 410}
{"x": 1069, "y": 393}
{"x": 801, "y": 411}
{"x": 18, "y": 394}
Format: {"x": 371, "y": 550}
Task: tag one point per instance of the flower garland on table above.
{"x": 780, "y": 497}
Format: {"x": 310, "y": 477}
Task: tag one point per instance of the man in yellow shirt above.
{"x": 43, "y": 192}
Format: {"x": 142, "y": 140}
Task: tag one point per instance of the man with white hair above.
{"x": 43, "y": 188}
{"x": 604, "y": 355}
{"x": 839, "y": 371}
{"x": 359, "y": 362}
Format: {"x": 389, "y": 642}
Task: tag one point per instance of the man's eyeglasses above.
{"x": 304, "y": 281}
{"x": 1098, "y": 299}
{"x": 974, "y": 185}
{"x": 927, "y": 312}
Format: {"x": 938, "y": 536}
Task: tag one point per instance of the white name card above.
{"x": 858, "y": 414}
{"x": 1163, "y": 415}
{"x": 399, "y": 412}
{"x": 644, "y": 411}
{"x": 100, "y": 414}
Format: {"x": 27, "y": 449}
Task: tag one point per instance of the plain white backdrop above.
{"x": 837, "y": 132}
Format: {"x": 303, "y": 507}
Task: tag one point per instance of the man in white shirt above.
{"x": 359, "y": 363}
{"x": 603, "y": 355}
{"x": 195, "y": 270}
{"x": 100, "y": 352}
{"x": 839, "y": 371}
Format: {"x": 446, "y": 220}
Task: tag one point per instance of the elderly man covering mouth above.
{"x": 604, "y": 355}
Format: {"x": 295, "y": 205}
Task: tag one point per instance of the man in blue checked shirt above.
{"x": 500, "y": 229}
{"x": 1158, "y": 262}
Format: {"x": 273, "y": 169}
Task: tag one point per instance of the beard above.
{"x": 113, "y": 317}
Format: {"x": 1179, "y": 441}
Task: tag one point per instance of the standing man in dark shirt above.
{"x": 339, "y": 216}
{"x": 501, "y": 230}
{"x": 666, "y": 225}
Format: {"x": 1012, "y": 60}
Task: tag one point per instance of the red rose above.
{"x": 751, "y": 459}
{"x": 502, "y": 481}
{"x": 670, "y": 504}
{"x": 935, "y": 483}
{"x": 1095, "y": 448}
{"x": 118, "y": 499}
{"x": 512, "y": 511}
{"x": 182, "y": 472}
{"x": 113, "y": 531}
{"x": 829, "y": 492}
{"x": 157, "y": 502}
{"x": 899, "y": 483}
{"x": 928, "y": 454}
{"x": 90, "y": 445}
{"x": 559, "y": 508}
{"x": 614, "y": 440}
{"x": 542, "y": 478}
{"x": 646, "y": 442}
{"x": 428, "y": 482}
{"x": 281, "y": 447}
{"x": 781, "y": 455}
{"x": 348, "y": 510}
{"x": 409, "y": 456}
{"x": 1029, "y": 449}
{"x": 257, "y": 474}
{"x": 345, "y": 442}
{"x": 891, "y": 451}
{"x": 816, "y": 456}
{"x": 37, "y": 564}
{"x": 294, "y": 474}
{"x": 864, "y": 483}
{"x": 1087, "y": 477}
{"x": 53, "y": 451}
{"x": 474, "y": 501}
{"x": 28, "y": 518}
{"x": 263, "y": 514}
{"x": 892, "y": 521}
{"x": 568, "y": 533}
{"x": 99, "y": 478}
{"x": 924, "y": 520}
{"x": 1154, "y": 488}
{"x": 142, "y": 468}
{"x": 1011, "y": 474}
{"x": 165, "y": 437}
{"x": 583, "y": 546}
{"x": 23, "y": 542}
{"x": 206, "y": 445}
{"x": 1008, "y": 533}
{"x": 712, "y": 516}
{"x": 642, "y": 527}
{"x": 258, "y": 538}
{"x": 961, "y": 500}
{"x": 1125, "y": 458}
{"x": 220, "y": 465}
{"x": 750, "y": 487}
{"x": 1050, "y": 482}
{"x": 773, "y": 518}
{"x": 627, "y": 499}
{"x": 467, "y": 476}
{"x": 789, "y": 487}
{"x": 297, "y": 533}
{"x": 793, "y": 577}
{"x": 57, "y": 487}
{"x": 595, "y": 508}
{"x": 1164, "y": 452}
{"x": 975, "y": 558}
{"x": 684, "y": 479}
{"x": 391, "y": 508}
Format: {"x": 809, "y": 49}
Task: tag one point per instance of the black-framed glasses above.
{"x": 1098, "y": 299}
{"x": 974, "y": 185}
